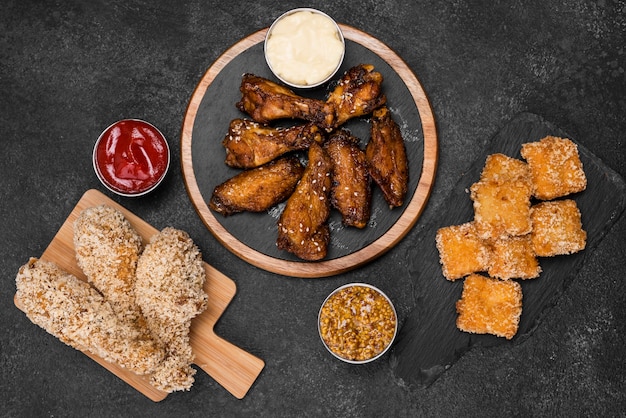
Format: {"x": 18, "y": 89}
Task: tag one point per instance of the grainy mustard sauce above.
{"x": 357, "y": 323}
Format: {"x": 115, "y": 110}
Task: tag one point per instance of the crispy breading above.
{"x": 266, "y": 101}
{"x": 555, "y": 167}
{"x": 169, "y": 288}
{"x": 351, "y": 192}
{"x": 461, "y": 251}
{"x": 257, "y": 189}
{"x": 501, "y": 168}
{"x": 489, "y": 306}
{"x": 107, "y": 249}
{"x": 557, "y": 228}
{"x": 303, "y": 225}
{"x": 358, "y": 93}
{"x": 77, "y": 314}
{"x": 513, "y": 257}
{"x": 501, "y": 209}
{"x": 386, "y": 157}
{"x": 250, "y": 144}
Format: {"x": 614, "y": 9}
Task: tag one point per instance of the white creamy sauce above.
{"x": 304, "y": 48}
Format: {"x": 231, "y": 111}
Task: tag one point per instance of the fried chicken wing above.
{"x": 358, "y": 93}
{"x": 77, "y": 314}
{"x": 250, "y": 144}
{"x": 266, "y": 101}
{"x": 386, "y": 157}
{"x": 170, "y": 280}
{"x": 351, "y": 185}
{"x": 303, "y": 225}
{"x": 257, "y": 189}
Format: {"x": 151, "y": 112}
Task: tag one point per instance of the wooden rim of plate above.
{"x": 324, "y": 268}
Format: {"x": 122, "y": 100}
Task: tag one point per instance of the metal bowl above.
{"x": 332, "y": 319}
{"x": 302, "y": 58}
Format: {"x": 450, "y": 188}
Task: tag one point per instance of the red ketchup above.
{"x": 131, "y": 157}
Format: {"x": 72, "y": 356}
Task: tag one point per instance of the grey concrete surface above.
{"x": 68, "y": 69}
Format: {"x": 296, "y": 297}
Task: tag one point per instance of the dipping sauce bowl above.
{"x": 357, "y": 323}
{"x": 131, "y": 157}
{"x": 304, "y": 48}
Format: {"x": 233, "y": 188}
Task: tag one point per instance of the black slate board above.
{"x": 258, "y": 230}
{"x": 429, "y": 342}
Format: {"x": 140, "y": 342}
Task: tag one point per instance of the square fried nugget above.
{"x": 489, "y": 306}
{"x": 461, "y": 251}
{"x": 557, "y": 228}
{"x": 555, "y": 167}
{"x": 501, "y": 168}
{"x": 501, "y": 209}
{"x": 514, "y": 258}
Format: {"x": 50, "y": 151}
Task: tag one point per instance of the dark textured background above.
{"x": 69, "y": 69}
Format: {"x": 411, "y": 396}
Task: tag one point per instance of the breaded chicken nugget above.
{"x": 557, "y": 228}
{"x": 489, "y": 306}
{"x": 461, "y": 251}
{"x": 77, "y": 314}
{"x": 555, "y": 167}
{"x": 107, "y": 249}
{"x": 169, "y": 289}
{"x": 513, "y": 257}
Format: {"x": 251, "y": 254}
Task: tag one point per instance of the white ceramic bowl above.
{"x": 304, "y": 48}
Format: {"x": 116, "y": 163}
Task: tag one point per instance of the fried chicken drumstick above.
{"x": 351, "y": 186}
{"x": 302, "y": 227}
{"x": 257, "y": 189}
{"x": 250, "y": 144}
{"x": 386, "y": 157}
{"x": 266, "y": 101}
{"x": 76, "y": 313}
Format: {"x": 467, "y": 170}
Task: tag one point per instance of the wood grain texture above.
{"x": 379, "y": 246}
{"x": 233, "y": 368}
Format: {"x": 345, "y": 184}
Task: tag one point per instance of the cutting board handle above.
{"x": 232, "y": 367}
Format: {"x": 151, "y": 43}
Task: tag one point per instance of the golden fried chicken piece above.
{"x": 489, "y": 306}
{"x": 358, "y": 93}
{"x": 257, "y": 189}
{"x": 250, "y": 144}
{"x": 557, "y": 228}
{"x": 386, "y": 157}
{"x": 461, "y": 251}
{"x": 107, "y": 249}
{"x": 555, "y": 167}
{"x": 169, "y": 287}
{"x": 266, "y": 101}
{"x": 501, "y": 209}
{"x": 76, "y": 313}
{"x": 303, "y": 225}
{"x": 351, "y": 185}
{"x": 514, "y": 258}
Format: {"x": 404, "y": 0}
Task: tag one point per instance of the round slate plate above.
{"x": 252, "y": 236}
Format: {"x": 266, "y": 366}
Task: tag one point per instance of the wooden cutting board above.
{"x": 233, "y": 368}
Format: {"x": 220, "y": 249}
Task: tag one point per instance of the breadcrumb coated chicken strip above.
{"x": 358, "y": 93}
{"x": 351, "y": 186}
{"x": 386, "y": 156}
{"x": 77, "y": 314}
{"x": 303, "y": 225}
{"x": 169, "y": 288}
{"x": 257, "y": 189}
{"x": 107, "y": 249}
{"x": 250, "y": 144}
{"x": 266, "y": 101}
